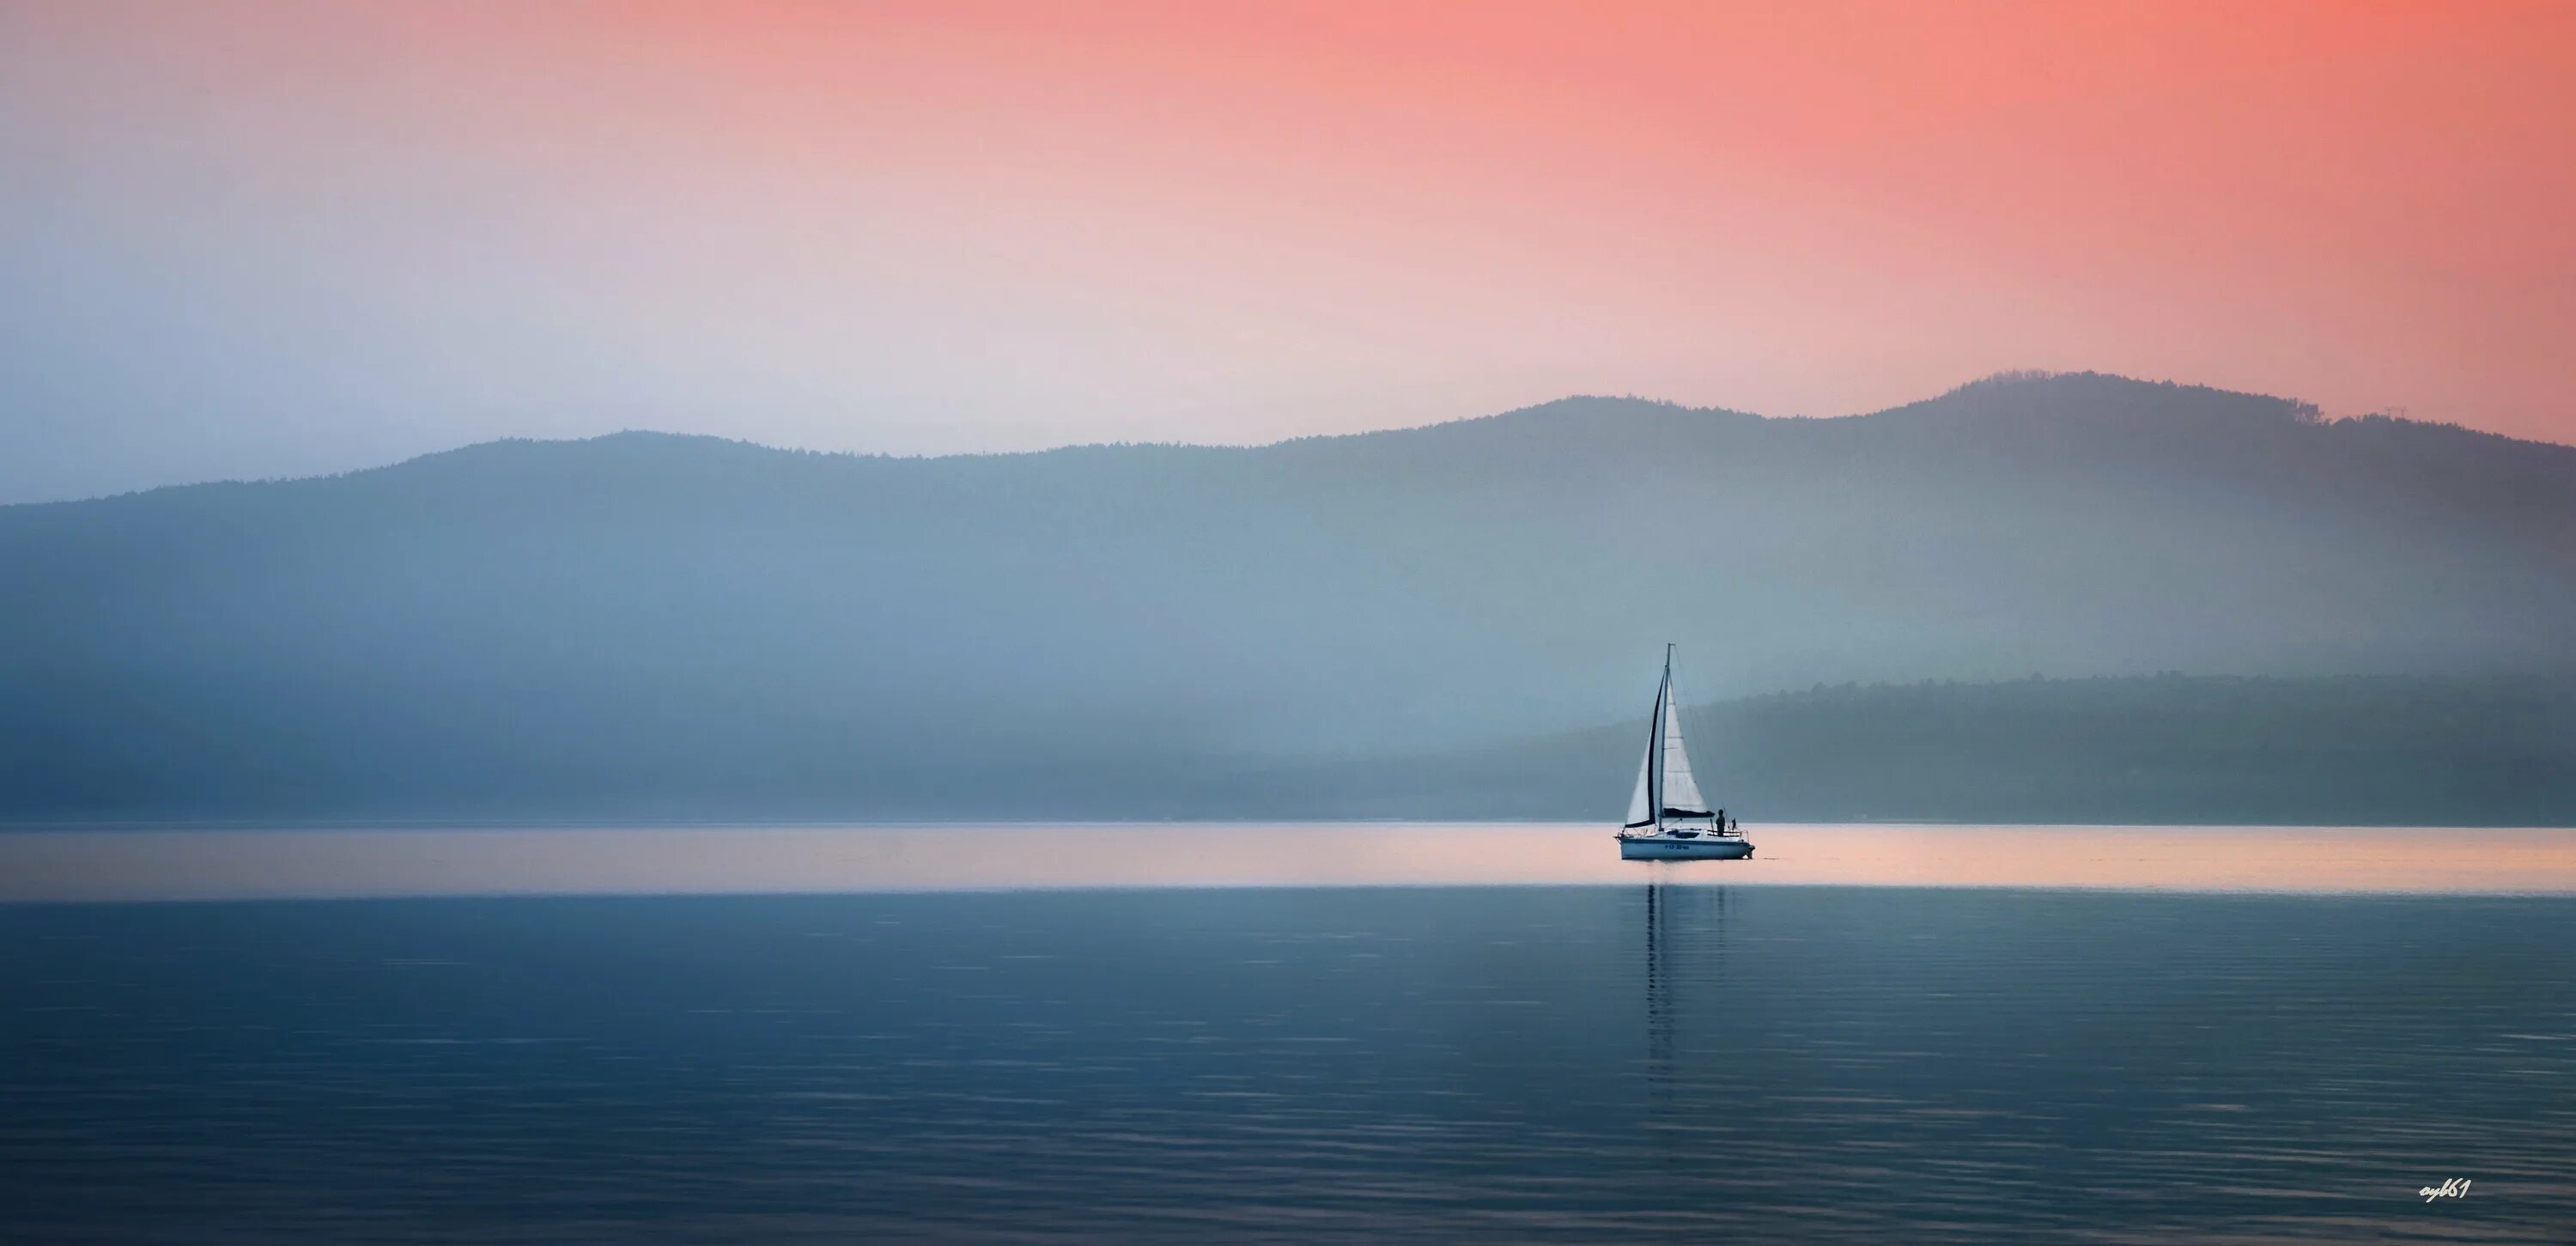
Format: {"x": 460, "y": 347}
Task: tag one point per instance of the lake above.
{"x": 1038, "y": 1034}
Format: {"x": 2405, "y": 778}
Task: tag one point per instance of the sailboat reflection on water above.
{"x": 1668, "y": 819}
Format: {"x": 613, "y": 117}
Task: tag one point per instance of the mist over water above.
{"x": 1633, "y": 1062}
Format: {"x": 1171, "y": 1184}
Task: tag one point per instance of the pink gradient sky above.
{"x": 253, "y": 239}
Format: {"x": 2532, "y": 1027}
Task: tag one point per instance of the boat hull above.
{"x": 1669, "y": 848}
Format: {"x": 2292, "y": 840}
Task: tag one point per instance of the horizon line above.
{"x": 2008, "y": 376}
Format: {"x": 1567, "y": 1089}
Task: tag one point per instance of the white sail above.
{"x": 1641, "y": 806}
{"x": 1680, "y": 790}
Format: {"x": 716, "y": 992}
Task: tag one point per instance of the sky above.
{"x": 265, "y": 239}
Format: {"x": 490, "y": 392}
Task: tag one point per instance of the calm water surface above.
{"x": 243, "y": 864}
{"x": 1728, "y": 1061}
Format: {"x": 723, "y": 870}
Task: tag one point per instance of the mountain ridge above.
{"x": 660, "y": 607}
{"x": 1936, "y": 410}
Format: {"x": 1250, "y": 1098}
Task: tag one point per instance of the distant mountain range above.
{"x": 654, "y": 622}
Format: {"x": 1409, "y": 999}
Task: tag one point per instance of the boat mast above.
{"x": 1655, "y": 755}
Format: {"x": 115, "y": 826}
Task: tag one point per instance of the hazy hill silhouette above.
{"x": 646, "y": 618}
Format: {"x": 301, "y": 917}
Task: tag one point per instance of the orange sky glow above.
{"x": 931, "y": 227}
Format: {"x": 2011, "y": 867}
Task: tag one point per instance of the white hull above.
{"x": 1676, "y": 848}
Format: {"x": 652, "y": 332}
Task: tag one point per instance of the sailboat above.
{"x": 1667, "y": 817}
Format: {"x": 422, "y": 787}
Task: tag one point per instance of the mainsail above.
{"x": 1665, "y": 788}
{"x": 1681, "y": 798}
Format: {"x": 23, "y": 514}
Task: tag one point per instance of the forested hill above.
{"x": 2417, "y": 750}
{"x": 645, "y": 618}
{"x": 2160, "y": 749}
